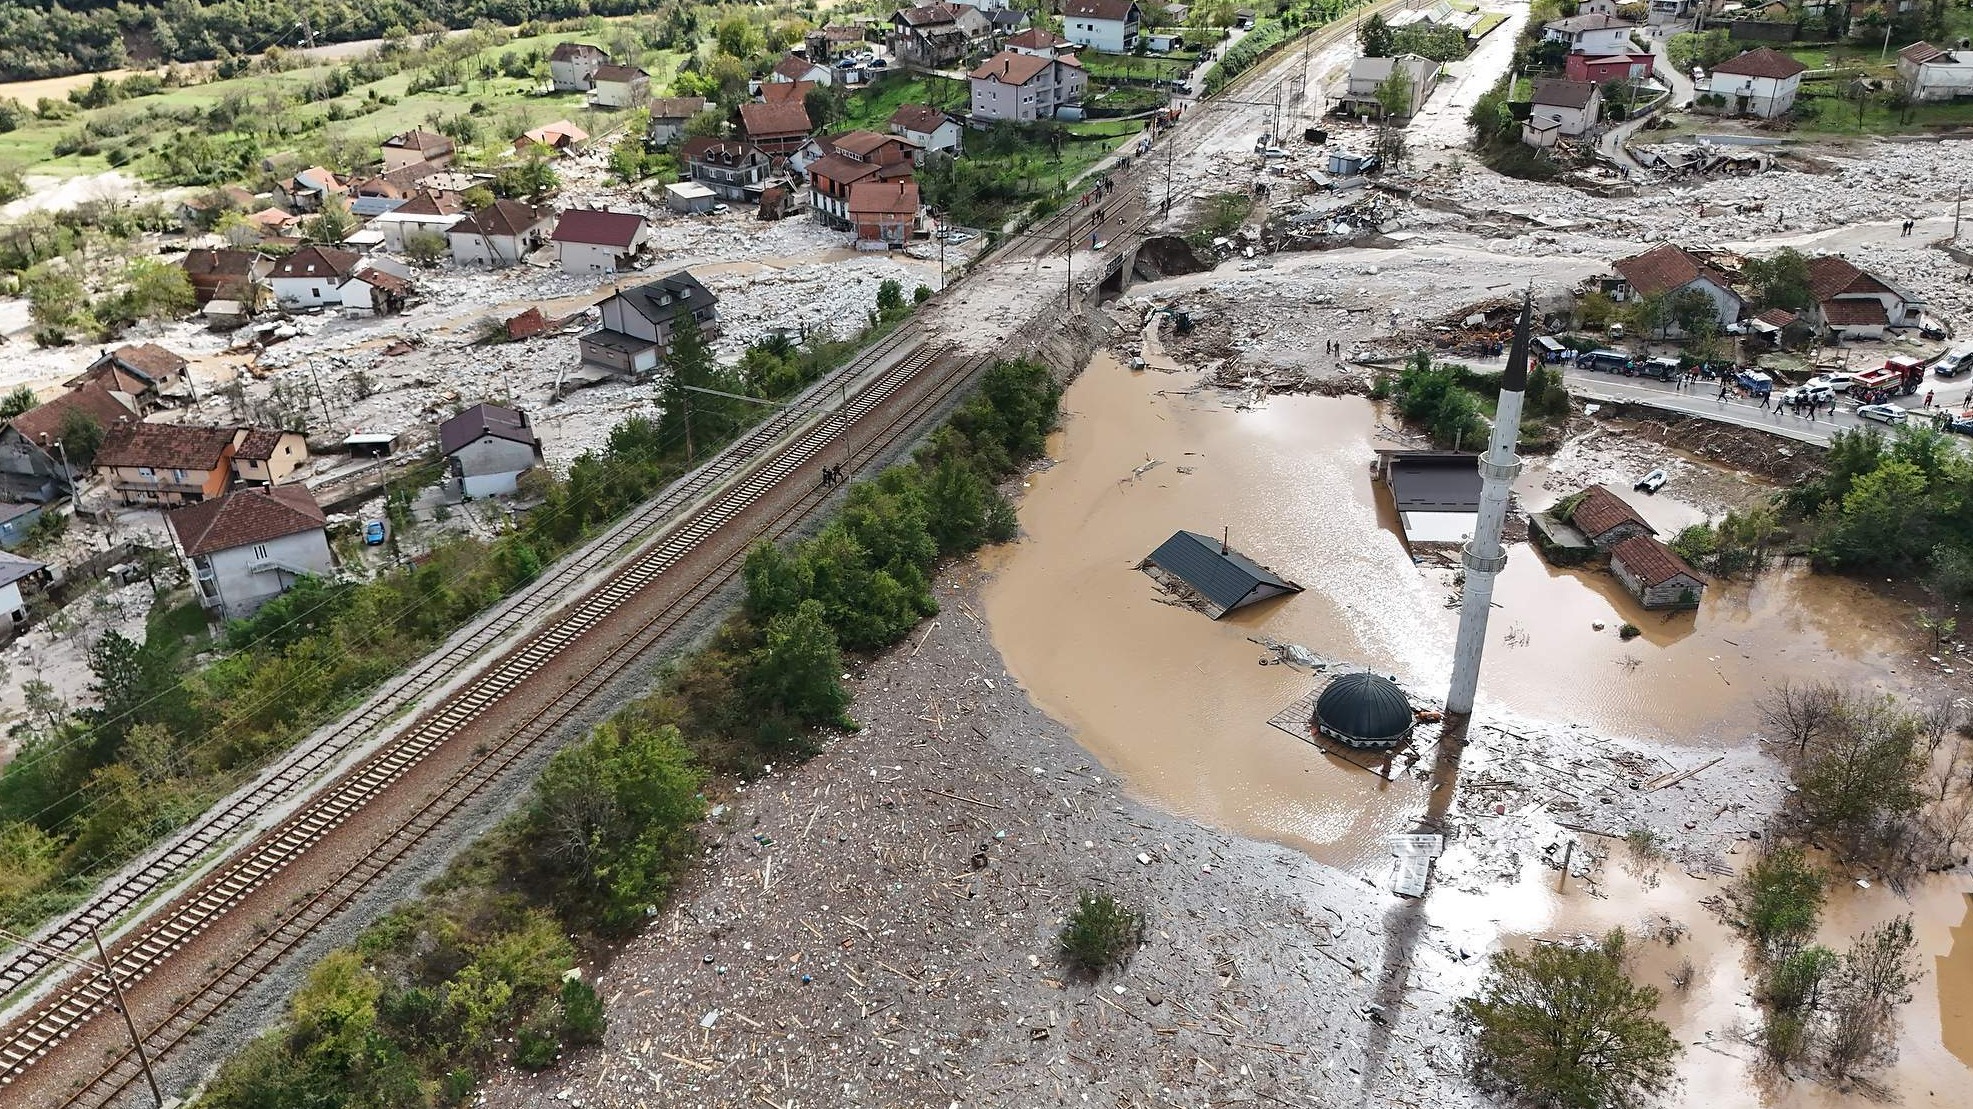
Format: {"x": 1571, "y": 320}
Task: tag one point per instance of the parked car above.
{"x": 1962, "y": 423}
{"x": 1605, "y": 361}
{"x": 1804, "y": 394}
{"x": 1955, "y": 361}
{"x": 1836, "y": 382}
{"x": 1662, "y": 368}
{"x": 1883, "y": 413}
{"x": 1755, "y": 382}
{"x": 374, "y": 533}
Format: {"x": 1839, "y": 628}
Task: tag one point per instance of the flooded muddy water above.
{"x": 1176, "y": 703}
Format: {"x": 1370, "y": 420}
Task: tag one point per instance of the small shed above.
{"x": 1365, "y": 710}
{"x": 16, "y": 520}
{"x": 371, "y": 444}
{"x": 690, "y": 197}
{"x": 1223, "y": 578}
{"x": 1655, "y": 574}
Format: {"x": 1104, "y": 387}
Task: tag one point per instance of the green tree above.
{"x": 331, "y": 225}
{"x": 1100, "y": 932}
{"x": 1780, "y": 899}
{"x": 1649, "y": 314}
{"x": 794, "y": 673}
{"x": 1781, "y": 280}
{"x": 890, "y": 298}
{"x": 959, "y": 501}
{"x": 822, "y": 106}
{"x": 739, "y": 36}
{"x": 1374, "y": 38}
{"x": 20, "y": 400}
{"x": 1394, "y": 94}
{"x": 157, "y": 290}
{"x": 697, "y": 419}
{"x": 1692, "y": 310}
{"x": 425, "y": 247}
{"x": 531, "y": 179}
{"x": 81, "y": 434}
{"x": 1881, "y": 521}
{"x": 1565, "y": 1026}
{"x": 54, "y": 294}
{"x": 1875, "y": 980}
{"x": 610, "y": 822}
{"x": 778, "y": 581}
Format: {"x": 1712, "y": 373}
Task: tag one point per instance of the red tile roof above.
{"x": 219, "y": 263}
{"x": 1831, "y": 276}
{"x": 245, "y": 517}
{"x": 842, "y": 169}
{"x": 1921, "y": 52}
{"x": 774, "y": 120}
{"x": 919, "y": 118}
{"x": 257, "y": 443}
{"x": 1010, "y": 68}
{"x": 793, "y": 68}
{"x": 677, "y": 107}
{"x": 1778, "y": 317}
{"x": 313, "y": 261}
{"x": 785, "y": 92}
{"x": 92, "y": 399}
{"x": 1098, "y": 9}
{"x": 1652, "y": 561}
{"x": 926, "y": 15}
{"x": 431, "y": 202}
{"x": 862, "y": 144}
{"x": 486, "y": 419}
{"x": 424, "y": 142}
{"x": 1034, "y": 38}
{"x": 1556, "y": 92}
{"x": 1664, "y": 268}
{"x": 1862, "y": 312}
{"x": 502, "y": 217}
{"x": 584, "y": 225}
{"x": 149, "y": 359}
{"x": 883, "y": 198}
{"x": 166, "y": 446}
{"x": 576, "y": 51}
{"x": 719, "y": 152}
{"x": 1765, "y": 62}
{"x": 618, "y": 74}
{"x": 1600, "y": 511}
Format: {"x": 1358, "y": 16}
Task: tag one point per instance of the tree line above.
{"x": 472, "y": 973}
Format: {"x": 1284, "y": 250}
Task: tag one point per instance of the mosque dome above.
{"x": 1364, "y": 710}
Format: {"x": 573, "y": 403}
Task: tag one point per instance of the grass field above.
{"x": 871, "y": 107}
{"x": 1103, "y": 67}
{"x": 504, "y": 107}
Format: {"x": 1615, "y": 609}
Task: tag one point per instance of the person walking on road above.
{"x": 1766, "y": 400}
{"x": 1928, "y": 398}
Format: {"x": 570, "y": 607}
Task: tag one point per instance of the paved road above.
{"x": 1704, "y": 402}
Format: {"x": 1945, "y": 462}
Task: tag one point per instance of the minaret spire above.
{"x": 1483, "y": 557}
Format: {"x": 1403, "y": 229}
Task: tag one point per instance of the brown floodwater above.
{"x": 1175, "y": 704}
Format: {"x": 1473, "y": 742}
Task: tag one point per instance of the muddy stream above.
{"x": 1178, "y": 706}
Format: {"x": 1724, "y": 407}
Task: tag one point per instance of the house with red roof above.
{"x": 1853, "y": 303}
{"x": 1025, "y": 87}
{"x": 927, "y": 128}
{"x": 1656, "y": 575}
{"x": 500, "y": 234}
{"x": 1759, "y": 82}
{"x": 591, "y": 241}
{"x": 1669, "y": 269}
{"x": 854, "y": 157}
{"x": 794, "y": 69}
{"x": 250, "y": 546}
{"x": 776, "y": 130}
{"x": 887, "y": 215}
{"x": 618, "y": 86}
{"x": 140, "y": 374}
{"x": 311, "y": 276}
{"x": 34, "y": 462}
{"x": 416, "y": 147}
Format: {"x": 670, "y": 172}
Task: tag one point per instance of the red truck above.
{"x": 1900, "y": 375}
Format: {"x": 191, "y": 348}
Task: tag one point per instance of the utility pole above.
{"x": 307, "y": 31}
{"x": 136, "y": 1041}
{"x": 1171, "y": 152}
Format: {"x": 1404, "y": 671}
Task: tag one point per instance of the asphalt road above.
{"x": 1703, "y": 400}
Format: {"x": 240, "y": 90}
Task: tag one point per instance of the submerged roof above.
{"x": 1364, "y": 708}
{"x": 1434, "y": 481}
{"x": 1224, "y": 577}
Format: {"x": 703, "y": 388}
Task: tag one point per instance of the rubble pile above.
{"x": 1700, "y": 158}
{"x": 833, "y": 298}
{"x": 1333, "y": 219}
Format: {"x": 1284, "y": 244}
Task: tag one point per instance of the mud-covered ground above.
{"x": 878, "y": 927}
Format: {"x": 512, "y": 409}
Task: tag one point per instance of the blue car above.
{"x": 373, "y": 533}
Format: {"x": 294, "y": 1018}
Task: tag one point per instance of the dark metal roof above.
{"x": 1435, "y": 481}
{"x": 1224, "y": 577}
{"x": 1364, "y": 707}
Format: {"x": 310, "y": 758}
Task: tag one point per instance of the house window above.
{"x": 260, "y": 550}
{"x": 178, "y": 475}
{"x": 145, "y": 471}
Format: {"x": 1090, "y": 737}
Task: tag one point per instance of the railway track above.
{"x": 890, "y": 408}
{"x": 285, "y": 780}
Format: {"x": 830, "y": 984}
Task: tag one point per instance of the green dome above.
{"x": 1364, "y": 710}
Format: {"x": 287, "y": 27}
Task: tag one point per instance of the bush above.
{"x": 1629, "y": 631}
{"x": 1100, "y": 933}
{"x": 1780, "y": 898}
{"x": 1564, "y": 1026}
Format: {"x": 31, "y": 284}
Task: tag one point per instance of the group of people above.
{"x": 831, "y": 475}
{"x": 1802, "y": 407}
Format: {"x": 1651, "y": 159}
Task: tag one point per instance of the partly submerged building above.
{"x": 1223, "y": 578}
{"x": 1362, "y": 709}
{"x": 1436, "y": 493}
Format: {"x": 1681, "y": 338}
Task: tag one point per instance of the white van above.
{"x": 1955, "y": 361}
